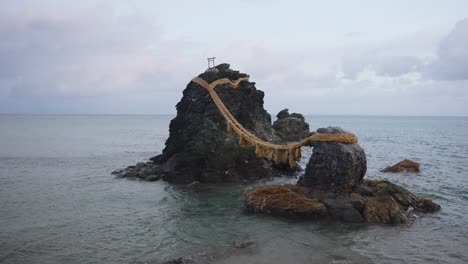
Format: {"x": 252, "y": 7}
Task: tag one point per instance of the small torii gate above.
{"x": 211, "y": 63}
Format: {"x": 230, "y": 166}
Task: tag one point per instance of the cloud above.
{"x": 99, "y": 59}
{"x": 82, "y": 52}
{"x": 452, "y": 55}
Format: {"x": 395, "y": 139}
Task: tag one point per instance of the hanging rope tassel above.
{"x": 298, "y": 153}
{"x": 269, "y": 153}
{"x": 292, "y": 158}
{"x": 258, "y": 150}
{"x": 230, "y": 131}
{"x": 241, "y": 140}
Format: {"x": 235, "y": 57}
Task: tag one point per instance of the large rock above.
{"x": 291, "y": 127}
{"x": 333, "y": 165}
{"x": 199, "y": 148}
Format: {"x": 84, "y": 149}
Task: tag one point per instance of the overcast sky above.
{"x": 314, "y": 57}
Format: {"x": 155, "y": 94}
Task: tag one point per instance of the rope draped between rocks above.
{"x": 279, "y": 153}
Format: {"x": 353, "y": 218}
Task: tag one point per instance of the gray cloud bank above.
{"x": 452, "y": 60}
{"x": 92, "y": 61}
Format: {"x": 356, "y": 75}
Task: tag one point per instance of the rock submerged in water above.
{"x": 404, "y": 166}
{"x": 372, "y": 201}
{"x": 291, "y": 127}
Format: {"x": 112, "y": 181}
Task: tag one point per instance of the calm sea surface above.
{"x": 59, "y": 204}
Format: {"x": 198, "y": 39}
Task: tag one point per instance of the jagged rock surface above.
{"x": 291, "y": 127}
{"x": 334, "y": 165}
{"x": 199, "y": 148}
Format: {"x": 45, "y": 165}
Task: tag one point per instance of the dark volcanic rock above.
{"x": 405, "y": 165}
{"x": 291, "y": 127}
{"x": 200, "y": 149}
{"x": 334, "y": 165}
{"x": 342, "y": 208}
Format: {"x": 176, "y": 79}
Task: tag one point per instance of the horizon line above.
{"x": 167, "y": 114}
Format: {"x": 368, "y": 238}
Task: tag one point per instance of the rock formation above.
{"x": 291, "y": 127}
{"x": 199, "y": 148}
{"x": 333, "y": 187}
{"x": 405, "y": 165}
{"x": 334, "y": 165}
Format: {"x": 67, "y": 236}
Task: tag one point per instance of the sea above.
{"x": 60, "y": 204}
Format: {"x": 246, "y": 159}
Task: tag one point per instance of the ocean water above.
{"x": 59, "y": 203}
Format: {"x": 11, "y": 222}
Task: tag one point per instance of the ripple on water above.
{"x": 60, "y": 205}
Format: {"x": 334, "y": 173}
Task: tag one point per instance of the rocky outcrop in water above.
{"x": 199, "y": 148}
{"x": 333, "y": 165}
{"x": 372, "y": 201}
{"x": 404, "y": 166}
{"x": 291, "y": 127}
{"x": 333, "y": 187}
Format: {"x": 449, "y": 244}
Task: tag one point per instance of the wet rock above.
{"x": 341, "y": 208}
{"x": 384, "y": 210}
{"x": 291, "y": 127}
{"x": 427, "y": 206}
{"x": 117, "y": 172}
{"x": 404, "y": 166}
{"x": 130, "y": 174}
{"x": 382, "y": 202}
{"x": 333, "y": 165}
{"x": 358, "y": 201}
{"x": 283, "y": 200}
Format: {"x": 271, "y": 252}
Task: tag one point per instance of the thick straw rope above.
{"x": 279, "y": 153}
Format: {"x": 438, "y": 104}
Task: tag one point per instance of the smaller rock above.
{"x": 427, "y": 205}
{"x": 291, "y": 127}
{"x": 140, "y": 165}
{"x": 405, "y": 165}
{"x": 117, "y": 172}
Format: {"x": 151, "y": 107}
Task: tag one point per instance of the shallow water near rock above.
{"x": 59, "y": 203}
